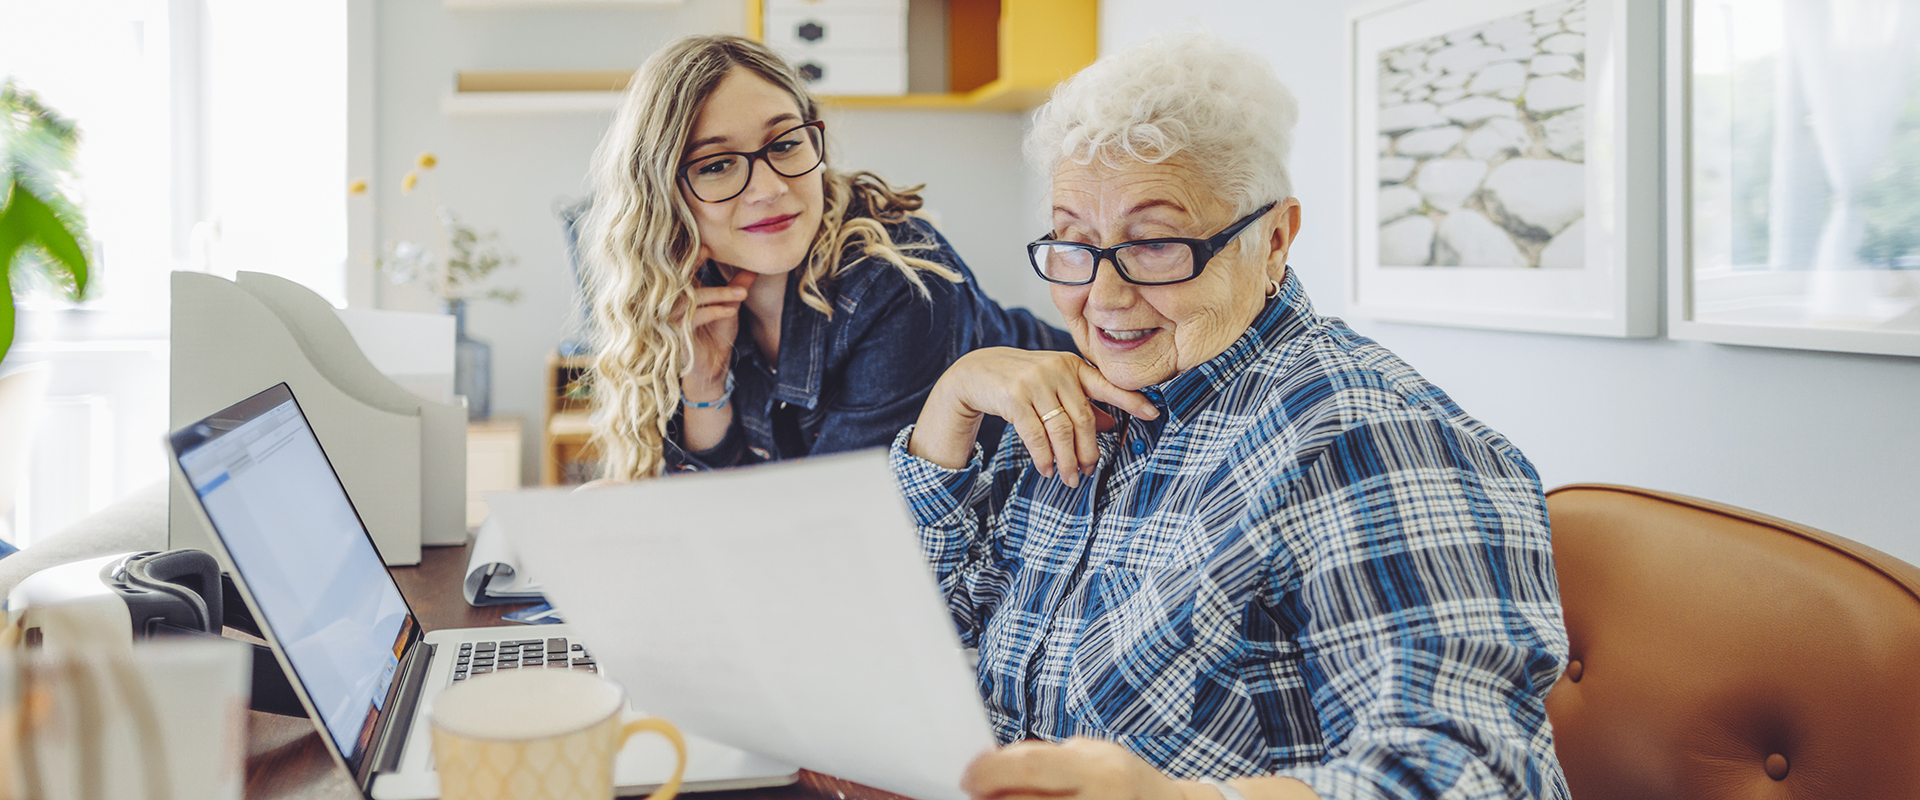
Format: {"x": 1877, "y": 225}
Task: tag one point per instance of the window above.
{"x": 214, "y": 139}
{"x": 214, "y": 134}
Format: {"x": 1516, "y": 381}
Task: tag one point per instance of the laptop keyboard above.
{"x": 480, "y": 658}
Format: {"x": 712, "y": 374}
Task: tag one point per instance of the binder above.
{"x": 402, "y": 457}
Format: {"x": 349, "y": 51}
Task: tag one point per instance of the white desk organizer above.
{"x": 402, "y": 457}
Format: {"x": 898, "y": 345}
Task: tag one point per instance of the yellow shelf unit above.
{"x": 1002, "y": 55}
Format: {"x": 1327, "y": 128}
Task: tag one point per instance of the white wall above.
{"x": 978, "y": 189}
{"x": 505, "y": 173}
{"x": 1827, "y": 439}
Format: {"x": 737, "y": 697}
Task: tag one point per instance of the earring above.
{"x": 1273, "y": 289}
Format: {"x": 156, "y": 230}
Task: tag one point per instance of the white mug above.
{"x": 161, "y": 721}
{"x": 538, "y": 734}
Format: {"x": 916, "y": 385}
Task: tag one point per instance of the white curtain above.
{"x": 274, "y": 105}
{"x": 1855, "y": 59}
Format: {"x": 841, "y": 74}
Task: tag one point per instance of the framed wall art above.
{"x": 1793, "y": 136}
{"x": 1505, "y": 164}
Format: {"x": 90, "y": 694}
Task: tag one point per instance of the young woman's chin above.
{"x": 768, "y": 254}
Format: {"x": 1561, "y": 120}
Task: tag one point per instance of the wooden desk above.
{"x": 285, "y": 759}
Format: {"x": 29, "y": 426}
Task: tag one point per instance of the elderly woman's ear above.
{"x": 1286, "y": 225}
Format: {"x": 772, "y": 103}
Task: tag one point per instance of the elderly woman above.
{"x": 1242, "y": 541}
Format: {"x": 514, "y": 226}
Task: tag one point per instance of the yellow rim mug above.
{"x": 538, "y": 734}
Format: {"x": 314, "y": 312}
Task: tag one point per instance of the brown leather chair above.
{"x": 1720, "y": 653}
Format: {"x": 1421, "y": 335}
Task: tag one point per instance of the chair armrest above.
{"x": 137, "y": 521}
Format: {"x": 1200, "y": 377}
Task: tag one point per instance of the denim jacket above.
{"x": 854, "y": 380}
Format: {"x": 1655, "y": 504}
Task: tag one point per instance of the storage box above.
{"x": 842, "y": 47}
{"x": 805, "y": 32}
{"x": 853, "y": 72}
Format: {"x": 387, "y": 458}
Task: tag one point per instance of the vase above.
{"x": 472, "y": 364}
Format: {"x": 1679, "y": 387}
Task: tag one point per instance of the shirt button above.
{"x": 1139, "y": 447}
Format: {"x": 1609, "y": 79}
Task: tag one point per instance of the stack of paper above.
{"x": 785, "y": 610}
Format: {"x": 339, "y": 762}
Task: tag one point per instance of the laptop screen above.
{"x": 305, "y": 556}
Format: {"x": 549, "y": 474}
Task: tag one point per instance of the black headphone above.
{"x": 187, "y": 585}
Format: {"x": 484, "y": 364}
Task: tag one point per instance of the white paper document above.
{"x": 785, "y": 609}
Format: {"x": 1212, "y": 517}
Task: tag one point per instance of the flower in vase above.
{"x": 470, "y": 256}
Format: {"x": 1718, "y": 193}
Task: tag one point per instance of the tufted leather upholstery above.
{"x": 1720, "y": 653}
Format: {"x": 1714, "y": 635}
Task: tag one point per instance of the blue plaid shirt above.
{"x": 1311, "y": 564}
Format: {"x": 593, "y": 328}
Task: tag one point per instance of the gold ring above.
{"x": 1051, "y": 414}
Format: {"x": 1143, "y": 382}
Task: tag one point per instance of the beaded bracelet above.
{"x": 720, "y": 403}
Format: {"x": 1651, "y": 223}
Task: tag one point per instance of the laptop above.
{"x": 356, "y": 655}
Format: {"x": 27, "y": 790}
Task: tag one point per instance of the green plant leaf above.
{"x": 27, "y": 220}
{"x": 41, "y": 229}
{"x": 6, "y": 308}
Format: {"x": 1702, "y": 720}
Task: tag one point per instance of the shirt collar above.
{"x": 803, "y": 344}
{"x": 1285, "y": 315}
{"x": 803, "y": 347}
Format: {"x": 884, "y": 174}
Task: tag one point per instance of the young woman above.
{"x": 749, "y": 302}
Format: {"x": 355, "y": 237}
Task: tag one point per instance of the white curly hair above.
{"x": 1216, "y": 106}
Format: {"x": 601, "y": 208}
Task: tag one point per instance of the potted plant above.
{"x": 42, "y": 233}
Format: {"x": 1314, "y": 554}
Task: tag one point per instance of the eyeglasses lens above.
{"x": 1143, "y": 263}
{"x": 792, "y": 154}
{"x": 1063, "y": 264}
{"x": 1158, "y": 263}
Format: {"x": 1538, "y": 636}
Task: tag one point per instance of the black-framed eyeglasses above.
{"x": 721, "y": 177}
{"x": 1147, "y": 262}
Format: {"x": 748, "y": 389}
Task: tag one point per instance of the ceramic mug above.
{"x": 538, "y": 734}
{"x": 92, "y": 715}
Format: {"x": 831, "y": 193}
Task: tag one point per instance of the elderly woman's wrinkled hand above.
{"x": 1078, "y": 768}
{"x": 1046, "y": 396}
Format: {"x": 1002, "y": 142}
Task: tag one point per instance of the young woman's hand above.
{"x": 716, "y": 322}
{"x": 1046, "y": 396}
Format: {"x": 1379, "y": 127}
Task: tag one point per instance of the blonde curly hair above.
{"x": 640, "y": 251}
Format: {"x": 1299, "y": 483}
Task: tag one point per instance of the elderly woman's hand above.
{"x": 1046, "y": 396}
{"x": 1094, "y": 769}
{"x": 1078, "y": 768}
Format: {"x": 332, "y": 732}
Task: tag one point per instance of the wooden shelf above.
{"x": 566, "y": 451}
{"x": 569, "y": 423}
{"x": 530, "y": 92}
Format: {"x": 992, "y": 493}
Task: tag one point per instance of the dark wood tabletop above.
{"x": 286, "y": 761}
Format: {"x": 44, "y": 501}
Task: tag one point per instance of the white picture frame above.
{"x": 1783, "y": 299}
{"x": 1602, "y": 277}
